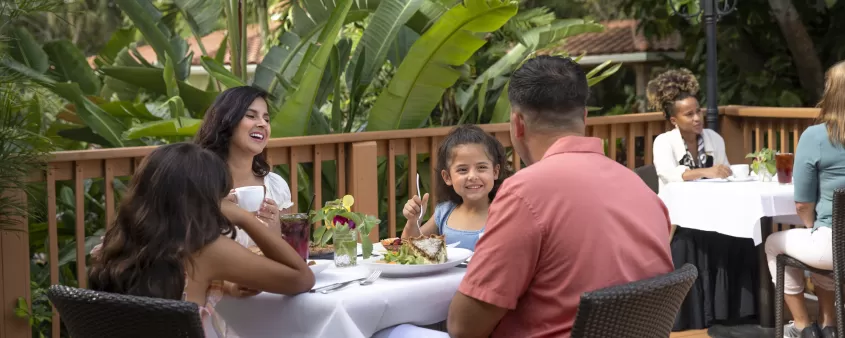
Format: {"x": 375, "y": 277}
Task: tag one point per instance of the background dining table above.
{"x": 737, "y": 209}
{"x": 353, "y": 312}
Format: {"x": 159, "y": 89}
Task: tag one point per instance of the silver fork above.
{"x": 369, "y": 280}
{"x": 422, "y": 207}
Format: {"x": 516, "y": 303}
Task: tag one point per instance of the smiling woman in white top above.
{"x": 689, "y": 152}
{"x": 237, "y": 127}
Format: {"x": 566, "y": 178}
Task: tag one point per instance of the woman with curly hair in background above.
{"x": 724, "y": 291}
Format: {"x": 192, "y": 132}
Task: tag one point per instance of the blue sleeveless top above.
{"x": 467, "y": 238}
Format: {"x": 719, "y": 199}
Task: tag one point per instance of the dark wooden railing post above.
{"x": 14, "y": 270}
{"x": 363, "y": 180}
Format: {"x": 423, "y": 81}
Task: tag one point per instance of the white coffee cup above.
{"x": 250, "y": 197}
{"x": 740, "y": 171}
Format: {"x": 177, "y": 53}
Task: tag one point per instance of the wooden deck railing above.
{"x": 356, "y": 161}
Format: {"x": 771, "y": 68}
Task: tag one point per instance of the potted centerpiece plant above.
{"x": 763, "y": 164}
{"x": 344, "y": 228}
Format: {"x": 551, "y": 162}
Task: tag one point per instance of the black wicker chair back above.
{"x": 645, "y": 308}
{"x": 838, "y": 265}
{"x": 649, "y": 175}
{"x": 92, "y": 314}
{"x": 839, "y": 253}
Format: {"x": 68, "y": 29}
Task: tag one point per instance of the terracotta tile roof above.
{"x": 619, "y": 37}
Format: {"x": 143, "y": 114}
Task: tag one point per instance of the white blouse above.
{"x": 279, "y": 191}
{"x": 670, "y": 147}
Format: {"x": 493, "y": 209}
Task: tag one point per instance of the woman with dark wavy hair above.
{"x": 236, "y": 128}
{"x": 173, "y": 238}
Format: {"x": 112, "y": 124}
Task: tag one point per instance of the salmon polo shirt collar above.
{"x": 575, "y": 144}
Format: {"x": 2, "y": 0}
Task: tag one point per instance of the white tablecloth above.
{"x": 356, "y": 311}
{"x": 730, "y": 208}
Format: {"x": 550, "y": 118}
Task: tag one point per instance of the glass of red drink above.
{"x": 784, "y": 163}
{"x": 296, "y": 229}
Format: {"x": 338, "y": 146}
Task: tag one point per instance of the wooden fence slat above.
{"x": 391, "y": 188}
{"x": 611, "y": 142}
{"x": 784, "y": 139}
{"x": 294, "y": 180}
{"x": 746, "y": 137}
{"x": 79, "y": 210}
{"x": 108, "y": 183}
{"x": 412, "y": 167}
{"x": 53, "y": 242}
{"x": 341, "y": 170}
{"x": 432, "y": 196}
{"x": 317, "y": 178}
{"x": 631, "y": 143}
{"x": 648, "y": 143}
{"x": 770, "y": 132}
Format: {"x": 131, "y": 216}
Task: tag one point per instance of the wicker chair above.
{"x": 645, "y": 308}
{"x": 88, "y": 313}
{"x": 838, "y": 266}
{"x": 649, "y": 175}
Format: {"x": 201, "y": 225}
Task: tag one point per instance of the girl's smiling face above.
{"x": 471, "y": 172}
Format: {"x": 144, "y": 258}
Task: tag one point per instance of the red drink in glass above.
{"x": 296, "y": 229}
{"x": 784, "y": 163}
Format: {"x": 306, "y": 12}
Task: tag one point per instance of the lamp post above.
{"x": 710, "y": 11}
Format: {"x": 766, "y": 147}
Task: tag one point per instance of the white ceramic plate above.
{"x": 321, "y": 265}
{"x": 746, "y": 179}
{"x": 456, "y": 256}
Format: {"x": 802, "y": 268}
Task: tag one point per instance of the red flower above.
{"x": 340, "y": 220}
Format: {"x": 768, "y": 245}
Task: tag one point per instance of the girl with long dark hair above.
{"x": 173, "y": 238}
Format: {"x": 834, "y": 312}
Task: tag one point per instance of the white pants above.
{"x": 409, "y": 331}
{"x": 814, "y": 248}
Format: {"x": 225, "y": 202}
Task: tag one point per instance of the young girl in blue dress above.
{"x": 472, "y": 165}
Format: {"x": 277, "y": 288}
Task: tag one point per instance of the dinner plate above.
{"x": 744, "y": 179}
{"x": 321, "y": 265}
{"x": 455, "y": 256}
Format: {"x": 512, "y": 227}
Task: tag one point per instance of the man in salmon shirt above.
{"x": 573, "y": 221}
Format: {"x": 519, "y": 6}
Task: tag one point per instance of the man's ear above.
{"x": 518, "y": 124}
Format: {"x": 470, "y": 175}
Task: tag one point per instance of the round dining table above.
{"x": 355, "y": 311}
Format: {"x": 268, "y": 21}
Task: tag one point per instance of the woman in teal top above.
{"x": 819, "y": 169}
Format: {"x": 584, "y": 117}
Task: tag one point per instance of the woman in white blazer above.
{"x": 688, "y": 152}
{"x": 727, "y": 265}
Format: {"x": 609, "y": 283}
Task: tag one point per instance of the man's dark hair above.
{"x": 551, "y": 92}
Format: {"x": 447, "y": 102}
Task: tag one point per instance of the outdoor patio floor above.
{"x": 690, "y": 334}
